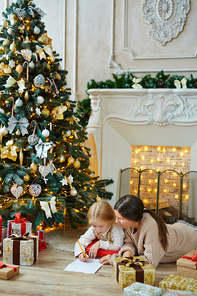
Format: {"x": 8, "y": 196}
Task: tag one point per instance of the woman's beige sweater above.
{"x": 145, "y": 241}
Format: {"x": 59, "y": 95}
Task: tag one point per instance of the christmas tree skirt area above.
{"x": 64, "y": 238}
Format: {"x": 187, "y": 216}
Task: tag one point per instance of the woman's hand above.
{"x": 127, "y": 254}
{"x": 94, "y": 249}
{"x": 82, "y": 258}
{"x": 105, "y": 260}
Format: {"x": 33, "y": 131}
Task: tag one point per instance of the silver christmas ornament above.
{"x": 40, "y": 100}
{"x": 19, "y": 102}
{"x": 35, "y": 189}
{"x": 36, "y": 30}
{"x": 45, "y": 133}
{"x": 10, "y": 32}
{"x": 33, "y": 139}
{"x": 39, "y": 80}
{"x": 31, "y": 65}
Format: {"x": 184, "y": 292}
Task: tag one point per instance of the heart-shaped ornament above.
{"x": 16, "y": 190}
{"x": 44, "y": 170}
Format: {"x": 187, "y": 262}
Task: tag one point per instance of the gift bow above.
{"x": 194, "y": 258}
{"x": 5, "y": 265}
{"x": 17, "y": 220}
{"x": 42, "y": 245}
{"x": 136, "y": 264}
{"x": 9, "y": 151}
{"x": 40, "y": 50}
{"x": 11, "y": 81}
{"x": 136, "y": 84}
{"x": 45, "y": 207}
{"x": 178, "y": 83}
{"x": 23, "y": 124}
{"x": 37, "y": 9}
{"x": 42, "y": 148}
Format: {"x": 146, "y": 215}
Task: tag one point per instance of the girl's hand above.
{"x": 94, "y": 249}
{"x": 82, "y": 258}
{"x": 127, "y": 254}
{"x": 105, "y": 260}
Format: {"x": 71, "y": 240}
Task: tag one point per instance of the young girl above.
{"x": 104, "y": 236}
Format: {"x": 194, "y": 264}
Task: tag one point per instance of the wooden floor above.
{"x": 47, "y": 277}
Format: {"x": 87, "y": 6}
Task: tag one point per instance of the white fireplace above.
{"x": 121, "y": 118}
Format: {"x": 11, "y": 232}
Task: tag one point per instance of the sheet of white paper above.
{"x": 86, "y": 267}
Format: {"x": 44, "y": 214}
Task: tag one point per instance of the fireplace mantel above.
{"x": 124, "y": 117}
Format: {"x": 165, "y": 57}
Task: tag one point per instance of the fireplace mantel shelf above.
{"x": 121, "y": 118}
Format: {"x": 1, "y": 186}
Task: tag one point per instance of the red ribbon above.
{"x": 194, "y": 258}
{"x": 42, "y": 245}
{"x": 5, "y": 265}
{"x": 18, "y": 219}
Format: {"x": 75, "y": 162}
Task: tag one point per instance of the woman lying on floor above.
{"x": 147, "y": 234}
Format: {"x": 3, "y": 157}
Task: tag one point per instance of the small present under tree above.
{"x": 44, "y": 165}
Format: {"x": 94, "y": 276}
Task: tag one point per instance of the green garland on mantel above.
{"x": 127, "y": 81}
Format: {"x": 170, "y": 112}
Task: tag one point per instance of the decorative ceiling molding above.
{"x": 166, "y": 18}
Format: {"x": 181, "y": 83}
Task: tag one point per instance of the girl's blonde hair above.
{"x": 102, "y": 212}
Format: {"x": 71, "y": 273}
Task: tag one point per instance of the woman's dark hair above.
{"x": 131, "y": 207}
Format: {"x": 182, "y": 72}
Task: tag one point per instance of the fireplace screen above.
{"x": 160, "y": 176}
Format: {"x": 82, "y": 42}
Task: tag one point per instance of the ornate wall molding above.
{"x": 119, "y": 70}
{"x": 166, "y": 18}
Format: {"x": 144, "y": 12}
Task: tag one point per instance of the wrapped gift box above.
{"x": 20, "y": 250}
{"x": 178, "y": 282}
{"x": 177, "y": 293}
{"x": 187, "y": 265}
{"x": 129, "y": 270}
{"x": 7, "y": 271}
{"x": 18, "y": 226}
{"x": 40, "y": 234}
{"x": 140, "y": 289}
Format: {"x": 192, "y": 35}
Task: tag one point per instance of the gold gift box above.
{"x": 9, "y": 271}
{"x": 126, "y": 275}
{"x": 20, "y": 251}
{"x": 178, "y": 282}
{"x": 186, "y": 267}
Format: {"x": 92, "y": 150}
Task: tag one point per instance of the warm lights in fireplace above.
{"x": 170, "y": 162}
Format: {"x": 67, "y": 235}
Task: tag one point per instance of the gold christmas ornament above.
{"x": 62, "y": 158}
{"x": 33, "y": 167}
{"x": 71, "y": 160}
{"x": 18, "y": 132}
{"x": 45, "y": 112}
{"x": 58, "y": 76}
{"x": 2, "y": 49}
{"x": 21, "y": 157}
{"x": 67, "y": 104}
{"x": 26, "y": 177}
{"x": 6, "y": 42}
{"x": 43, "y": 40}
{"x": 13, "y": 47}
{"x": 73, "y": 191}
{"x": 19, "y": 69}
{"x": 26, "y": 96}
{"x": 0, "y": 179}
{"x": 77, "y": 164}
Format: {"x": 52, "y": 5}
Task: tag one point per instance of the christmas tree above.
{"x": 44, "y": 165}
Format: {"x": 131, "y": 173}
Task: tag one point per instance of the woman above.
{"x": 147, "y": 234}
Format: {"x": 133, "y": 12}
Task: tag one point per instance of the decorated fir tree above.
{"x": 44, "y": 165}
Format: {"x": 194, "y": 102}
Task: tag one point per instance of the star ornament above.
{"x": 21, "y": 85}
{"x": 64, "y": 181}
